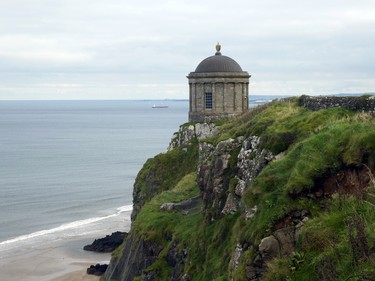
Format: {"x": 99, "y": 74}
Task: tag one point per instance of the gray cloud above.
{"x": 144, "y": 49}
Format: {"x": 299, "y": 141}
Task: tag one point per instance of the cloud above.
{"x": 31, "y": 49}
{"x": 288, "y": 46}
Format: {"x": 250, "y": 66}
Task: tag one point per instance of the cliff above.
{"x": 283, "y": 192}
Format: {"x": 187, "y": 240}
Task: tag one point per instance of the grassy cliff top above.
{"x": 320, "y": 184}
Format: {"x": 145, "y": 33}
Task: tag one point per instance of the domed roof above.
{"x": 218, "y": 63}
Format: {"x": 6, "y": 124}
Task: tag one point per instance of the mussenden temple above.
{"x": 218, "y": 89}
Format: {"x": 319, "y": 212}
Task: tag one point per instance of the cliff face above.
{"x": 280, "y": 193}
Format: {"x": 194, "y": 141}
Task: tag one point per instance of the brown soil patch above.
{"x": 352, "y": 180}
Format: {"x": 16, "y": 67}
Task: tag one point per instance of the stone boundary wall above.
{"x": 365, "y": 103}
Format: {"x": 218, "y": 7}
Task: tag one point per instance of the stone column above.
{"x": 190, "y": 97}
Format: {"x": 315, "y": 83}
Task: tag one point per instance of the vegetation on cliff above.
{"x": 307, "y": 213}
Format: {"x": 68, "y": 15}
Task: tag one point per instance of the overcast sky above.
{"x": 141, "y": 49}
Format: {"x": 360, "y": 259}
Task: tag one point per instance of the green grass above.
{"x": 278, "y": 189}
{"x": 164, "y": 171}
{"x": 158, "y": 225}
{"x": 340, "y": 144}
{"x": 325, "y": 248}
{"x": 326, "y": 236}
{"x": 153, "y": 220}
{"x": 324, "y": 142}
{"x": 315, "y": 144}
{"x": 211, "y": 249}
{"x": 208, "y": 260}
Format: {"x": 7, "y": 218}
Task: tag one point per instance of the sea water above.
{"x": 67, "y": 168}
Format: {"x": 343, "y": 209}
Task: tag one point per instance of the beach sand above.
{"x": 57, "y": 261}
{"x": 79, "y": 275}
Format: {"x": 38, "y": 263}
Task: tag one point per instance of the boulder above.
{"x": 184, "y": 206}
{"x": 97, "y": 269}
{"x": 269, "y": 248}
{"x": 107, "y": 244}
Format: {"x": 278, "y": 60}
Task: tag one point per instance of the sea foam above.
{"x": 66, "y": 226}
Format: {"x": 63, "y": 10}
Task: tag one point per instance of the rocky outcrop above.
{"x": 252, "y": 159}
{"x": 137, "y": 255}
{"x": 107, "y": 244}
{"x": 97, "y": 269}
{"x": 185, "y": 206}
{"x": 235, "y": 260}
{"x": 214, "y": 176}
{"x": 188, "y": 133}
{"x": 280, "y": 244}
{"x": 244, "y": 158}
{"x": 176, "y": 258}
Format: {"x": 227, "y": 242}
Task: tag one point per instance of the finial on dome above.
{"x": 218, "y": 48}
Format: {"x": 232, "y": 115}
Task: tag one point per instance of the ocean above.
{"x": 67, "y": 170}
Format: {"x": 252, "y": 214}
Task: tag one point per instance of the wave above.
{"x": 66, "y": 226}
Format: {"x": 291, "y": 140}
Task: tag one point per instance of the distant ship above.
{"x": 159, "y": 106}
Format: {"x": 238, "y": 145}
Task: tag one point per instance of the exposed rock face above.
{"x": 280, "y": 244}
{"x": 184, "y": 136}
{"x": 107, "y": 244}
{"x": 176, "y": 259}
{"x": 251, "y": 161}
{"x": 235, "y": 261}
{"x": 231, "y": 205}
{"x": 138, "y": 254}
{"x": 269, "y": 248}
{"x": 184, "y": 206}
{"x": 97, "y": 269}
{"x": 243, "y": 157}
{"x": 212, "y": 179}
{"x": 187, "y": 134}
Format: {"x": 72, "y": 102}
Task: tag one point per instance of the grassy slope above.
{"x": 315, "y": 144}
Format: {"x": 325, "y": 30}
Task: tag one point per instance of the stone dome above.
{"x": 218, "y": 63}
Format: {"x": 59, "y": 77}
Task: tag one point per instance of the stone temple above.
{"x": 218, "y": 89}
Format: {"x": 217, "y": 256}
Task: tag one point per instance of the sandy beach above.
{"x": 57, "y": 261}
{"x": 79, "y": 275}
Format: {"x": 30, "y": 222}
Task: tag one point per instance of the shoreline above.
{"x": 63, "y": 260}
{"x": 59, "y": 256}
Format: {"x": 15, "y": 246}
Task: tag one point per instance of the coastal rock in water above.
{"x": 97, "y": 269}
{"x": 107, "y": 244}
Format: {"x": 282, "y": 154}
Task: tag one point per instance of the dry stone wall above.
{"x": 364, "y": 103}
